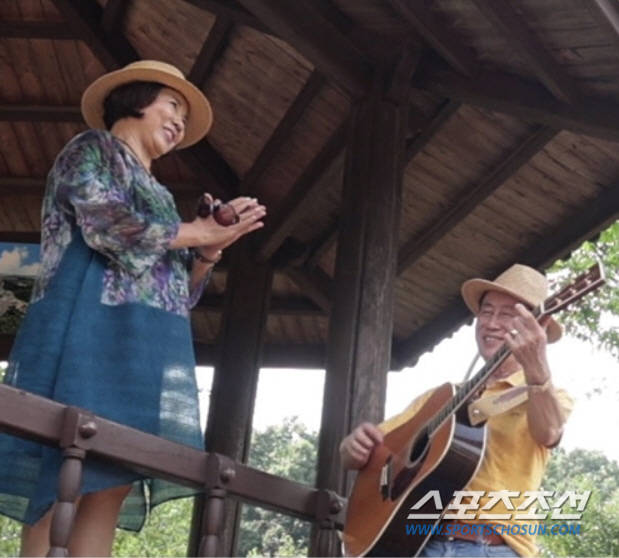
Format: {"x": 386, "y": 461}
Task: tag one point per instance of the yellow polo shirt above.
{"x": 512, "y": 461}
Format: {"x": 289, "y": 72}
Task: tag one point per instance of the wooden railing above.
{"x": 79, "y": 433}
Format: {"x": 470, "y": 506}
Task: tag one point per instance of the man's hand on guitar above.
{"x": 527, "y": 342}
{"x": 356, "y": 448}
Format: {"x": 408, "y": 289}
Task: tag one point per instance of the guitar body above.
{"x": 401, "y": 472}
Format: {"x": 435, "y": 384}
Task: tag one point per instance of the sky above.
{"x": 19, "y": 259}
{"x": 591, "y": 378}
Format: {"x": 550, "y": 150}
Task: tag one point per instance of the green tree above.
{"x": 10, "y": 532}
{"x": 596, "y": 319}
{"x": 287, "y": 450}
{"x": 166, "y": 532}
{"x": 581, "y": 470}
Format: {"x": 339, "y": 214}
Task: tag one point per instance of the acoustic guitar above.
{"x": 437, "y": 449}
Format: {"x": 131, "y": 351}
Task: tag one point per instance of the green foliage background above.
{"x": 596, "y": 318}
{"x": 581, "y": 470}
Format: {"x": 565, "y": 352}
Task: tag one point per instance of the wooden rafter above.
{"x": 606, "y": 14}
{"x": 523, "y": 99}
{"x": 421, "y": 244}
{"x": 424, "y": 130}
{"x": 315, "y": 283}
{"x": 277, "y": 305}
{"x": 113, "y": 14}
{"x": 204, "y": 159}
{"x": 322, "y": 245}
{"x": 211, "y": 50}
{"x": 25, "y": 237}
{"x": 57, "y": 31}
{"x": 515, "y": 30}
{"x": 314, "y": 179}
{"x": 40, "y": 113}
{"x": 575, "y": 229}
{"x": 233, "y": 10}
{"x": 20, "y": 185}
{"x": 283, "y": 130}
{"x": 429, "y": 129}
{"x": 274, "y": 355}
{"x": 305, "y": 29}
{"x": 434, "y": 31}
{"x": 113, "y": 50}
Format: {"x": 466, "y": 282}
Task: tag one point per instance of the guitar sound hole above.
{"x": 418, "y": 453}
{"x": 420, "y": 446}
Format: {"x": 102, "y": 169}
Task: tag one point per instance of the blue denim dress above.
{"x": 107, "y": 328}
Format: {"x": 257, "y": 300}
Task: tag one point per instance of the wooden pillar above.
{"x": 360, "y": 327}
{"x": 235, "y": 380}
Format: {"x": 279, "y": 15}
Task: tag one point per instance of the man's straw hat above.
{"x": 200, "y": 115}
{"x": 520, "y": 281}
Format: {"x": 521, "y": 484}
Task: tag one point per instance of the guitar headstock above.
{"x": 592, "y": 279}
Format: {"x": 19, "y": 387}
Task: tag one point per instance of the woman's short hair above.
{"x": 129, "y": 100}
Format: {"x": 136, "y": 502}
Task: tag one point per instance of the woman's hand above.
{"x": 210, "y": 237}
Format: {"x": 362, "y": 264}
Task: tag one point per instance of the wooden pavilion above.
{"x": 401, "y": 147}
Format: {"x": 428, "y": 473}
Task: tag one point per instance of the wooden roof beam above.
{"x": 299, "y": 306}
{"x": 40, "y": 113}
{"x": 305, "y": 28}
{"x": 233, "y": 10}
{"x": 515, "y": 30}
{"x": 423, "y": 130}
{"x": 21, "y": 185}
{"x": 317, "y": 176}
{"x": 315, "y": 283}
{"x": 282, "y": 132}
{"x": 437, "y": 34}
{"x": 113, "y": 14}
{"x": 575, "y": 230}
{"x": 606, "y": 14}
{"x": 22, "y": 237}
{"x": 113, "y": 50}
{"x": 418, "y": 246}
{"x": 427, "y": 130}
{"x": 322, "y": 245}
{"x": 211, "y": 50}
{"x": 274, "y": 355}
{"x": 208, "y": 165}
{"x": 57, "y": 31}
{"x": 523, "y": 99}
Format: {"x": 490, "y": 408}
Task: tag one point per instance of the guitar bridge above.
{"x": 385, "y": 478}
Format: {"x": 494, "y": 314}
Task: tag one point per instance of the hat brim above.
{"x": 474, "y": 289}
{"x": 200, "y": 117}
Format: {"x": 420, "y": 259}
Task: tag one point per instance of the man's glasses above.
{"x": 223, "y": 213}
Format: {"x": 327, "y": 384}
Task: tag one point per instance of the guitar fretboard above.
{"x": 468, "y": 388}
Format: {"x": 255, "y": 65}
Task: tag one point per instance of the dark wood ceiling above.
{"x": 511, "y": 152}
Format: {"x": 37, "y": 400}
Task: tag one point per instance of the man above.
{"x": 520, "y": 438}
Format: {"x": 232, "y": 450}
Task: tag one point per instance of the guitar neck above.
{"x": 583, "y": 284}
{"x": 471, "y": 386}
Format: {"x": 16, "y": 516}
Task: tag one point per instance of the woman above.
{"x": 108, "y": 326}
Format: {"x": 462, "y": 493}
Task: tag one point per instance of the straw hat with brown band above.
{"x": 200, "y": 115}
{"x": 520, "y": 281}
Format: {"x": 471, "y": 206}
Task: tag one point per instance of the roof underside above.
{"x": 512, "y": 150}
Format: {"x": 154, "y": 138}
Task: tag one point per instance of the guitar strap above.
{"x": 482, "y": 409}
